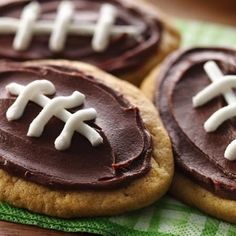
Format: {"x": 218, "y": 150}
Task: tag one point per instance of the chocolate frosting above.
{"x": 124, "y": 155}
{"x": 198, "y": 154}
{"x": 124, "y": 52}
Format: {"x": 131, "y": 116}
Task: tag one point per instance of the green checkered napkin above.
{"x": 167, "y": 217}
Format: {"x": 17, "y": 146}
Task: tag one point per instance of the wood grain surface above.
{"x": 221, "y": 11}
{"x": 11, "y": 229}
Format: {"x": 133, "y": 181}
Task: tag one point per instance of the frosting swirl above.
{"x": 198, "y": 154}
{"x": 124, "y": 155}
{"x": 123, "y": 53}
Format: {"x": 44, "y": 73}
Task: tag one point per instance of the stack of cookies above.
{"x": 78, "y": 138}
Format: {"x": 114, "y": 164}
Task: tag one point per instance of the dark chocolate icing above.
{"x": 198, "y": 154}
{"x": 124, "y": 155}
{"x": 124, "y": 52}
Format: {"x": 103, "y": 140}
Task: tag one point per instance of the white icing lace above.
{"x": 34, "y": 92}
{"x": 221, "y": 84}
{"x": 27, "y": 26}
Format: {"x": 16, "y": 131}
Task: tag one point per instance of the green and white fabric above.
{"x": 195, "y": 33}
{"x": 167, "y": 217}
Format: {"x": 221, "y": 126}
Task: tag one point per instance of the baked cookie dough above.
{"x": 139, "y": 37}
{"x": 204, "y": 177}
{"x": 77, "y": 182}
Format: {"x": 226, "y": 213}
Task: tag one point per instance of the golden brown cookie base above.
{"x": 37, "y": 198}
{"x": 170, "y": 41}
{"x": 193, "y": 194}
{"x": 185, "y": 189}
{"x": 148, "y": 86}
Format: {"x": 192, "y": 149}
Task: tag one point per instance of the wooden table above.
{"x": 221, "y": 11}
{"x": 10, "y": 229}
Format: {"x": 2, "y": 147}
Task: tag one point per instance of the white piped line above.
{"x": 33, "y": 92}
{"x": 222, "y": 84}
{"x": 52, "y": 108}
{"x": 9, "y": 25}
{"x": 219, "y": 117}
{"x": 230, "y": 151}
{"x": 63, "y": 25}
{"x": 214, "y": 73}
{"x": 104, "y": 25}
{"x": 76, "y": 122}
{"x": 59, "y": 32}
{"x": 25, "y": 30}
{"x": 29, "y": 92}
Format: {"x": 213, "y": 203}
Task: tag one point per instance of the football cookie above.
{"x": 194, "y": 93}
{"x": 76, "y": 141}
{"x": 124, "y": 37}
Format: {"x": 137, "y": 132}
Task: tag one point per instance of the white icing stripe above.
{"x": 59, "y": 32}
{"x": 222, "y": 84}
{"x": 213, "y": 90}
{"x": 76, "y": 122}
{"x": 27, "y": 26}
{"x": 230, "y": 151}
{"x": 52, "y": 108}
{"x": 104, "y": 25}
{"x": 219, "y": 117}
{"x": 25, "y": 30}
{"x": 9, "y": 26}
{"x": 33, "y": 92}
{"x": 214, "y": 73}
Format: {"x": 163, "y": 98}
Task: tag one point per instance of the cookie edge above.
{"x": 187, "y": 190}
{"x": 31, "y": 196}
